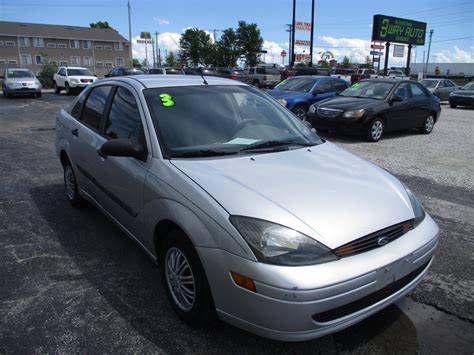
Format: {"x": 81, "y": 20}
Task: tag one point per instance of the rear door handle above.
{"x": 75, "y": 132}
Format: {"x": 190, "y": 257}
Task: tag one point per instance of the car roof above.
{"x": 311, "y": 76}
{"x": 391, "y": 81}
{"x": 73, "y": 67}
{"x": 158, "y": 81}
{"x": 19, "y": 69}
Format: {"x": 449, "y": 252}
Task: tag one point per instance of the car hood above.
{"x": 288, "y": 95}
{"x": 348, "y": 103}
{"x": 324, "y": 192}
{"x": 463, "y": 92}
{"x": 22, "y": 80}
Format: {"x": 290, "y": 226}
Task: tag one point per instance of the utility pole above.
{"x": 153, "y": 52}
{"x": 158, "y": 59}
{"x": 130, "y": 35}
{"x": 292, "y": 62}
{"x": 312, "y": 35}
{"x": 214, "y": 30}
{"x": 428, "y": 56}
{"x": 290, "y": 50}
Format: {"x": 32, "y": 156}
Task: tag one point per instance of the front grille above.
{"x": 374, "y": 240}
{"x": 330, "y": 113}
{"x": 369, "y": 300}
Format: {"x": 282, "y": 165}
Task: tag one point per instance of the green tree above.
{"x": 171, "y": 60}
{"x": 47, "y": 72}
{"x": 227, "y": 49}
{"x": 249, "y": 41}
{"x": 324, "y": 63}
{"x": 145, "y": 63}
{"x": 346, "y": 63}
{"x": 196, "y": 47}
{"x": 135, "y": 62}
{"x": 100, "y": 24}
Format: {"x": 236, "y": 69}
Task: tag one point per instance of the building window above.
{"x": 75, "y": 60}
{"x": 119, "y": 62}
{"x": 24, "y": 42}
{"x": 74, "y": 43}
{"x": 119, "y": 46}
{"x": 109, "y": 64}
{"x": 1, "y": 43}
{"x": 62, "y": 45}
{"x": 10, "y": 43}
{"x": 26, "y": 59}
{"x": 99, "y": 64}
{"x": 12, "y": 61}
{"x": 38, "y": 42}
{"x": 98, "y": 47}
{"x": 39, "y": 59}
{"x": 87, "y": 44}
{"x": 3, "y": 61}
{"x": 63, "y": 64}
{"x": 88, "y": 61}
{"x": 51, "y": 45}
{"x": 107, "y": 48}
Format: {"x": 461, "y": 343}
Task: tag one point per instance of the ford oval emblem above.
{"x": 382, "y": 241}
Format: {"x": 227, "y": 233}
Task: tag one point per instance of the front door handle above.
{"x": 75, "y": 132}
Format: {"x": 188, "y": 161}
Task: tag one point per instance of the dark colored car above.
{"x": 300, "y": 71}
{"x": 201, "y": 71}
{"x": 464, "y": 96}
{"x": 372, "y": 107}
{"x": 300, "y": 92}
{"x": 124, "y": 71}
{"x": 234, "y": 74}
{"x": 166, "y": 71}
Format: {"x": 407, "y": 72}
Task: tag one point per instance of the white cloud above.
{"x": 452, "y": 56}
{"x": 273, "y": 52}
{"x": 161, "y": 21}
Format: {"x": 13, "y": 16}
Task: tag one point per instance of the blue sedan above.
{"x": 301, "y": 92}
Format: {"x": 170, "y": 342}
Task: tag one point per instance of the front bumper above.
{"x": 461, "y": 100}
{"x": 349, "y": 125}
{"x": 301, "y": 303}
{"x": 80, "y": 86}
{"x": 23, "y": 90}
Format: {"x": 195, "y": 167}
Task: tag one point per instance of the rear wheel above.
{"x": 375, "y": 130}
{"x": 71, "y": 187}
{"x": 428, "y": 125}
{"x": 185, "y": 280}
{"x": 256, "y": 83}
{"x": 57, "y": 90}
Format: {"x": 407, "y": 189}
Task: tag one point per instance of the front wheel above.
{"x": 71, "y": 187}
{"x": 375, "y": 130}
{"x": 185, "y": 280}
{"x": 300, "y": 111}
{"x": 57, "y": 90}
{"x": 428, "y": 125}
{"x": 452, "y": 105}
{"x": 68, "y": 89}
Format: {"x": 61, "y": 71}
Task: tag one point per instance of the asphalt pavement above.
{"x": 71, "y": 281}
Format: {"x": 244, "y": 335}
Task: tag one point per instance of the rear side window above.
{"x": 95, "y": 106}
{"x": 124, "y": 118}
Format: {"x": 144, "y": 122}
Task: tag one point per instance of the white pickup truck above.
{"x": 72, "y": 79}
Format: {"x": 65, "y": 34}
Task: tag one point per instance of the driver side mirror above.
{"x": 122, "y": 148}
{"x": 395, "y": 98}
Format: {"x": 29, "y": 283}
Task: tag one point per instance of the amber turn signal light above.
{"x": 243, "y": 281}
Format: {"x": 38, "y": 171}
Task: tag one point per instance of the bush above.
{"x": 46, "y": 75}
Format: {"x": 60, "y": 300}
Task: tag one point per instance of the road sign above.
{"x": 283, "y": 53}
{"x": 303, "y": 42}
{"x": 376, "y": 60}
{"x": 437, "y": 72}
{"x": 377, "y": 46}
{"x": 145, "y": 41}
{"x": 376, "y": 53}
{"x": 398, "y": 51}
{"x": 305, "y": 26}
{"x": 145, "y": 35}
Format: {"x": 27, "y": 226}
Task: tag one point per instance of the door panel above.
{"x": 399, "y": 114}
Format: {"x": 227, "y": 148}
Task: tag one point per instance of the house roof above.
{"x": 59, "y": 31}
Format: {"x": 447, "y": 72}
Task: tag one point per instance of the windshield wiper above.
{"x": 202, "y": 153}
{"x": 274, "y": 143}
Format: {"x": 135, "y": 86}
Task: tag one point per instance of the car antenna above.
{"x": 202, "y": 76}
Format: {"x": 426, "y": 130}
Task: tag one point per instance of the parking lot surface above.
{"x": 71, "y": 281}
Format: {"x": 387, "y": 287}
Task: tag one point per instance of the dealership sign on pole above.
{"x": 145, "y": 41}
{"x": 398, "y": 51}
{"x": 398, "y": 30}
{"x": 376, "y": 53}
{"x": 377, "y": 46}
{"x": 304, "y": 26}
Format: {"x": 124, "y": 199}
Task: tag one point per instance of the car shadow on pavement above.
{"x": 126, "y": 300}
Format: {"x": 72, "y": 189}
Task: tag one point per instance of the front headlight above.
{"x": 75, "y": 81}
{"x": 417, "y": 208}
{"x": 354, "y": 114}
{"x": 312, "y": 109}
{"x": 279, "y": 245}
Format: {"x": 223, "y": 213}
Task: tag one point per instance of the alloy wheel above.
{"x": 180, "y": 279}
{"x": 376, "y": 130}
{"x": 70, "y": 182}
{"x": 429, "y": 124}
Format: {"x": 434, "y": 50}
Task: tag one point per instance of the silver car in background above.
{"x": 249, "y": 213}
{"x": 19, "y": 81}
{"x": 439, "y": 87}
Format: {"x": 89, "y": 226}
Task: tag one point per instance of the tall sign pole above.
{"x": 428, "y": 56}
{"x": 312, "y": 35}
{"x": 129, "y": 35}
{"x": 387, "y": 54}
{"x": 292, "y": 61}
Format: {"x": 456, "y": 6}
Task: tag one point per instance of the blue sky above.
{"x": 342, "y": 27}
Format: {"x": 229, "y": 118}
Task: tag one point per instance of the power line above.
{"x": 452, "y": 39}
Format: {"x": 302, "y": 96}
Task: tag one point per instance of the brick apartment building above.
{"x": 27, "y": 45}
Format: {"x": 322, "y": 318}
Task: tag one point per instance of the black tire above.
{"x": 300, "y": 111}
{"x": 375, "y": 130}
{"x": 68, "y": 89}
{"x": 452, "y": 105}
{"x": 57, "y": 90}
{"x": 256, "y": 83}
{"x": 201, "y": 311}
{"x": 71, "y": 188}
{"x": 38, "y": 94}
{"x": 4, "y": 92}
{"x": 428, "y": 124}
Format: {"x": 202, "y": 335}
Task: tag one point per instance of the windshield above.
{"x": 16, "y": 74}
{"x": 430, "y": 84}
{"x": 296, "y": 84}
{"x": 469, "y": 86}
{"x": 368, "y": 89}
{"x": 134, "y": 72}
{"x": 196, "y": 121}
{"x": 79, "y": 72}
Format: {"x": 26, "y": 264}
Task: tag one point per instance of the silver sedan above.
{"x": 251, "y": 216}
{"x": 439, "y": 87}
{"x": 19, "y": 81}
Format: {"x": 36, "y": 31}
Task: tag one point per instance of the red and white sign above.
{"x": 377, "y": 46}
{"x": 283, "y": 53}
{"x": 303, "y": 42}
{"x": 437, "y": 71}
{"x": 303, "y": 57}
{"x": 305, "y": 26}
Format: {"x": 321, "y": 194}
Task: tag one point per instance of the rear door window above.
{"x": 95, "y": 106}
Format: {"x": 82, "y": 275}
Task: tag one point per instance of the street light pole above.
{"x": 312, "y": 34}
{"x": 130, "y": 35}
{"x": 428, "y": 56}
{"x": 292, "y": 62}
